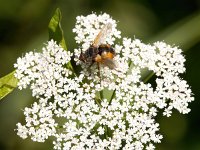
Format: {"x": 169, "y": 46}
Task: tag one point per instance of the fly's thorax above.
{"x": 92, "y": 51}
{"x": 106, "y": 48}
{"x": 89, "y": 55}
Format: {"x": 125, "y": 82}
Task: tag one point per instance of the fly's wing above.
{"x": 107, "y": 28}
{"x": 109, "y": 63}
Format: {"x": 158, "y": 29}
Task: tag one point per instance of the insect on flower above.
{"x": 98, "y": 51}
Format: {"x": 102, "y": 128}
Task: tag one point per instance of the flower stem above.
{"x": 113, "y": 94}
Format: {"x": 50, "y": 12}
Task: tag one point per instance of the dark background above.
{"x": 23, "y": 27}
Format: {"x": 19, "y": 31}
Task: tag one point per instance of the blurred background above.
{"x": 23, "y": 27}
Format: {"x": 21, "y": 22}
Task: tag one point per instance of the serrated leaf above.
{"x": 7, "y": 84}
{"x": 55, "y": 30}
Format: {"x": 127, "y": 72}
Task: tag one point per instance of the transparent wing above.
{"x": 107, "y": 28}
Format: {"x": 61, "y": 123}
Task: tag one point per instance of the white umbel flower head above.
{"x": 113, "y": 110}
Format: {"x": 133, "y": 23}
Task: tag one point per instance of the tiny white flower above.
{"x": 100, "y": 130}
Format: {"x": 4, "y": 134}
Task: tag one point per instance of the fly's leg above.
{"x": 99, "y": 71}
{"x": 89, "y": 68}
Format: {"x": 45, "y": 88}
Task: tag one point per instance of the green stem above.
{"x": 101, "y": 94}
{"x": 106, "y": 132}
{"x": 113, "y": 94}
{"x": 96, "y": 99}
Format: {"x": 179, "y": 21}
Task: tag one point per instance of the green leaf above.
{"x": 55, "y": 30}
{"x": 7, "y": 84}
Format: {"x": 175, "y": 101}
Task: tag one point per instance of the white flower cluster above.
{"x": 44, "y": 70}
{"x": 88, "y": 27}
{"x": 115, "y": 110}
